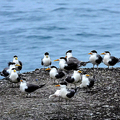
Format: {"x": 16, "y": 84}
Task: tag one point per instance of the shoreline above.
{"x": 101, "y": 102}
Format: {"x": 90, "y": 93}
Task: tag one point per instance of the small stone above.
{"x": 106, "y": 106}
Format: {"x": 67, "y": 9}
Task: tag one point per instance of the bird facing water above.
{"x": 73, "y": 62}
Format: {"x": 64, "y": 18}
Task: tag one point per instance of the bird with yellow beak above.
{"x": 46, "y": 61}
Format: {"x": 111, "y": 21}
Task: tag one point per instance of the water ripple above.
{"x": 109, "y": 11}
{"x": 61, "y": 9}
{"x": 84, "y": 34}
{"x": 29, "y": 28}
{"x": 39, "y": 37}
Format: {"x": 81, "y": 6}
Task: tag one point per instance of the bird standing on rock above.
{"x": 62, "y": 62}
{"x": 64, "y": 66}
{"x": 14, "y": 77}
{"x": 74, "y": 78}
{"x": 87, "y": 82}
{"x": 18, "y": 63}
{"x": 63, "y": 92}
{"x": 109, "y": 60}
{"x": 95, "y": 58}
{"x": 46, "y": 61}
{"x": 29, "y": 88}
{"x": 73, "y": 62}
{"x": 54, "y": 73}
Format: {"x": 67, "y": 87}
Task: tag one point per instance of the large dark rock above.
{"x": 99, "y": 103}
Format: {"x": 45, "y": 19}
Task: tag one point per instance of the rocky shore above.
{"x": 102, "y": 102}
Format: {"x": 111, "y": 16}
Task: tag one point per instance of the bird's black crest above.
{"x": 63, "y": 58}
{"x": 107, "y": 52}
{"x": 53, "y": 67}
{"x": 63, "y": 83}
{"x": 69, "y": 51}
{"x": 11, "y": 63}
{"x": 15, "y": 56}
{"x": 94, "y": 51}
{"x": 46, "y": 53}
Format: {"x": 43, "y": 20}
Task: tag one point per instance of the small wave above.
{"x": 109, "y": 11}
{"x": 50, "y": 28}
{"x": 62, "y": 4}
{"x": 11, "y": 13}
{"x": 38, "y": 37}
{"x": 84, "y": 34}
{"x": 59, "y": 9}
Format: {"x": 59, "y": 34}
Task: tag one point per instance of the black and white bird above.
{"x": 64, "y": 66}
{"x": 76, "y": 77}
{"x": 95, "y": 58}
{"x": 18, "y": 63}
{"x": 6, "y": 71}
{"x": 109, "y": 60}
{"x": 63, "y": 92}
{"x": 46, "y": 61}
{"x": 87, "y": 82}
{"x": 29, "y": 88}
{"x": 73, "y": 62}
{"x": 13, "y": 76}
{"x": 55, "y": 74}
{"x": 63, "y": 63}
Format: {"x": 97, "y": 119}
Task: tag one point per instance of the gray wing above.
{"x": 84, "y": 63}
{"x": 73, "y": 60}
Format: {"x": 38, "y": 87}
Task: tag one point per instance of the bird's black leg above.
{"x": 93, "y": 69}
{"x": 97, "y": 71}
{"x": 58, "y": 81}
{"x": 54, "y": 81}
{"x": 75, "y": 85}
{"x": 12, "y": 85}
{"x": 66, "y": 101}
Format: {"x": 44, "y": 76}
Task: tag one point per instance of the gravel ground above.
{"x": 102, "y": 102}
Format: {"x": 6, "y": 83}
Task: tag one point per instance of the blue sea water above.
{"x": 29, "y": 28}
